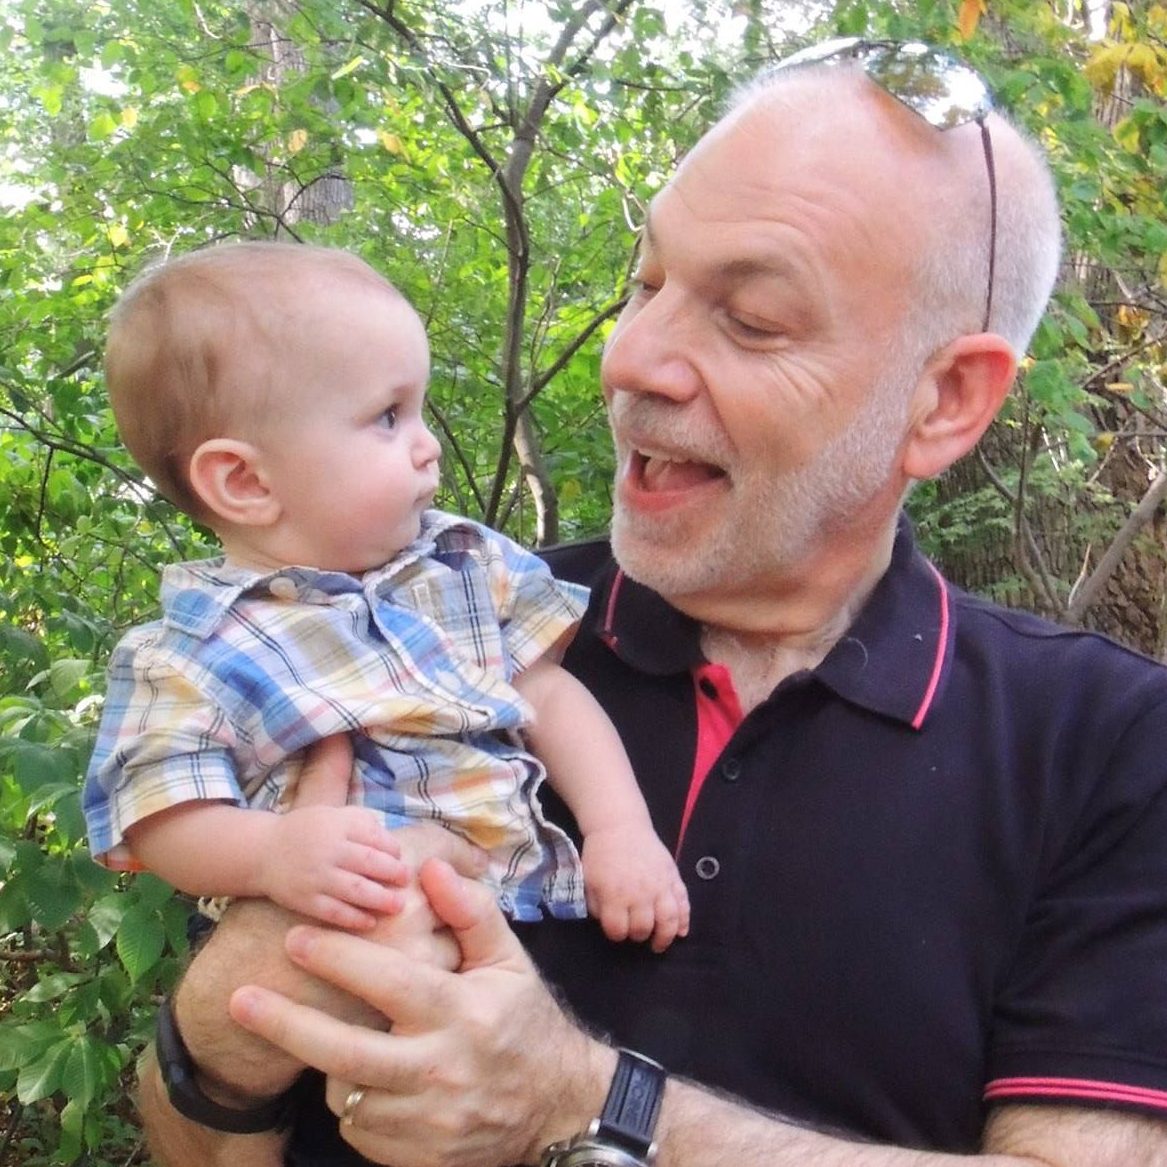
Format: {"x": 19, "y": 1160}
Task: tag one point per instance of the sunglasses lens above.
{"x": 839, "y": 46}
{"x": 944, "y": 92}
{"x": 939, "y": 88}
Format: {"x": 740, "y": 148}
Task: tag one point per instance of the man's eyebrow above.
{"x": 749, "y": 266}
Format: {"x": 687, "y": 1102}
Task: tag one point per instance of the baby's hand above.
{"x": 633, "y": 886}
{"x": 337, "y": 864}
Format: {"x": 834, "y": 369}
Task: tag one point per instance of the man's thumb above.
{"x": 469, "y": 909}
{"x": 324, "y": 777}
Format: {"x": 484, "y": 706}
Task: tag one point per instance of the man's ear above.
{"x": 959, "y": 394}
{"x": 228, "y": 476}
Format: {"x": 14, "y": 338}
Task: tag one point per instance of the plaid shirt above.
{"x": 218, "y": 699}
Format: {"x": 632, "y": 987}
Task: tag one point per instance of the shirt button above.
{"x": 731, "y": 769}
{"x": 708, "y": 867}
{"x": 283, "y": 588}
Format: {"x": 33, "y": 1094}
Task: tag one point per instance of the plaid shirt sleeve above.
{"x": 161, "y": 742}
{"x": 535, "y": 610}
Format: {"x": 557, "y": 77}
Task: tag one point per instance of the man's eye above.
{"x": 388, "y": 419}
{"x": 753, "y": 330}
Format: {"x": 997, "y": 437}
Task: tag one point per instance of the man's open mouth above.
{"x": 658, "y": 473}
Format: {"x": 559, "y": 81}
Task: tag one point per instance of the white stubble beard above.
{"x": 774, "y": 523}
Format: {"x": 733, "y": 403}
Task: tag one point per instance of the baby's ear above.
{"x": 228, "y": 476}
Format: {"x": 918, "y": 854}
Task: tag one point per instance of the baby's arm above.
{"x": 632, "y": 884}
{"x": 336, "y": 864}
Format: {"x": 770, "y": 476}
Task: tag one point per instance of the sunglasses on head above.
{"x": 944, "y": 91}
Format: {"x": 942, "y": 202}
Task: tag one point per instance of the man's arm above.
{"x": 699, "y": 1129}
{"x": 484, "y": 1069}
{"x": 237, "y": 1068}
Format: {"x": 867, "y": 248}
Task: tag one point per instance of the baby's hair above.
{"x": 193, "y": 342}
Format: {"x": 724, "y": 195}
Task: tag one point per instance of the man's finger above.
{"x": 481, "y": 930}
{"x": 412, "y": 994}
{"x": 315, "y": 1038}
{"x": 326, "y": 773}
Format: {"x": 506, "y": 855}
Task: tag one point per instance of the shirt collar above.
{"x": 892, "y": 660}
{"x": 197, "y": 596}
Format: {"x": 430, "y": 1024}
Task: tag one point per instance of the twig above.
{"x": 1091, "y": 589}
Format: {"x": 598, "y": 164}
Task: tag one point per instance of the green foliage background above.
{"x": 134, "y": 130}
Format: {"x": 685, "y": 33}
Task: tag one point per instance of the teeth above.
{"x": 651, "y": 456}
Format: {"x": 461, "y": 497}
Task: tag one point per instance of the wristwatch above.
{"x": 187, "y": 1097}
{"x": 622, "y": 1135}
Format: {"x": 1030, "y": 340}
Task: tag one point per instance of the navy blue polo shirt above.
{"x": 928, "y": 875}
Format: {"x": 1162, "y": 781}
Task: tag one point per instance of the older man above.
{"x": 925, "y": 839}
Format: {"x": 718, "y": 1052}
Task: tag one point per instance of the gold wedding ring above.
{"x": 351, "y": 1103}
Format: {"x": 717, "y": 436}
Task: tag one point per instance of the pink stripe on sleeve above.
{"x": 1076, "y": 1088}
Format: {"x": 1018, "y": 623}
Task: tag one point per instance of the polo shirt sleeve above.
{"x": 536, "y": 611}
{"x": 1082, "y": 1018}
{"x": 161, "y": 742}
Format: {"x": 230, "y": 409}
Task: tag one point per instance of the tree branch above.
{"x": 1085, "y": 596}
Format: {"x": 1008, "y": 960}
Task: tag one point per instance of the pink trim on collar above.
{"x": 941, "y": 648}
{"x": 610, "y": 637}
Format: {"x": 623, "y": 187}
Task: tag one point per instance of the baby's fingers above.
{"x": 339, "y": 914}
{"x": 356, "y": 891}
{"x": 365, "y": 861}
{"x": 374, "y": 849}
{"x": 668, "y": 924}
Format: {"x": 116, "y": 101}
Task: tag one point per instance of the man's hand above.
{"x": 248, "y": 947}
{"x": 633, "y": 886}
{"x": 481, "y": 1067}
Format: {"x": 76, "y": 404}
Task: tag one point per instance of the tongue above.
{"x": 660, "y": 474}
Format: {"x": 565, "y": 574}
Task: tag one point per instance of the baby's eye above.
{"x": 388, "y": 419}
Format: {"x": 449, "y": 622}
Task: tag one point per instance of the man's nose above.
{"x": 654, "y": 348}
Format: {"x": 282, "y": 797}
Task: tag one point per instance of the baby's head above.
{"x": 203, "y": 346}
{"x": 253, "y": 382}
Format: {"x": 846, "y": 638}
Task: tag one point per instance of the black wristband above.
{"x": 187, "y": 1097}
{"x": 633, "y": 1102}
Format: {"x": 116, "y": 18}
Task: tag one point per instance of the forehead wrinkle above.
{"x": 751, "y": 255}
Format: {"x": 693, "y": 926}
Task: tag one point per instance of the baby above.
{"x": 275, "y": 393}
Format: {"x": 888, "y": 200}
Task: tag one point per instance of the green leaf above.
{"x": 53, "y": 896}
{"x": 72, "y": 1125}
{"x": 105, "y": 916}
{"x": 140, "y": 941}
{"x": 66, "y": 675}
{"x": 20, "y": 1045}
{"x": 91, "y": 1067}
{"x": 103, "y": 126}
{"x": 348, "y": 67}
{"x": 33, "y": 764}
{"x": 56, "y": 985}
{"x": 42, "y": 1076}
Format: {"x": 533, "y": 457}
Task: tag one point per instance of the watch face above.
{"x": 596, "y": 1154}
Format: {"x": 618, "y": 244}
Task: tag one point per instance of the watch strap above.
{"x": 188, "y": 1098}
{"x": 633, "y": 1103}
